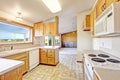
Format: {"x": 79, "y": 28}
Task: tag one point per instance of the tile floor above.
{"x": 67, "y": 69}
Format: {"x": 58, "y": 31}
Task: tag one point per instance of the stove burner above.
{"x": 113, "y": 60}
{"x": 98, "y": 60}
{"x": 92, "y": 55}
{"x": 103, "y": 55}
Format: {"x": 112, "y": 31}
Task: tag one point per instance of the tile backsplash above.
{"x": 38, "y": 41}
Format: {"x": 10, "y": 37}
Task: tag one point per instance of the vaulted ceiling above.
{"x": 35, "y": 11}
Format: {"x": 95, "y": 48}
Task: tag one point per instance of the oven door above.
{"x": 87, "y": 75}
{"x": 88, "y": 70}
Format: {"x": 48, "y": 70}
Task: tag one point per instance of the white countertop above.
{"x": 107, "y": 74}
{"x": 7, "y": 65}
{"x": 11, "y": 52}
{"x": 50, "y": 47}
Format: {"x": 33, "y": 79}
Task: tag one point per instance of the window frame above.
{"x": 14, "y": 23}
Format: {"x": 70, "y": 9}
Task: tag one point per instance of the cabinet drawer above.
{"x": 51, "y": 51}
{"x": 43, "y": 54}
{"x": 51, "y": 61}
{"x": 44, "y": 60}
{"x": 51, "y": 55}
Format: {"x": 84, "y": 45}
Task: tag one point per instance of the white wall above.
{"x": 110, "y": 45}
{"x": 84, "y": 39}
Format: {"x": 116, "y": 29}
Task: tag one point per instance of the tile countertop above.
{"x": 50, "y": 47}
{"x": 7, "y": 65}
{"x": 11, "y": 52}
{"x": 107, "y": 74}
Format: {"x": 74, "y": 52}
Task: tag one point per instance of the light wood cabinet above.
{"x": 47, "y": 30}
{"x": 86, "y": 23}
{"x": 92, "y": 21}
{"x": 100, "y": 7}
{"x": 22, "y": 57}
{"x": 51, "y": 29}
{"x": 39, "y": 29}
{"x": 109, "y": 2}
{"x": 15, "y": 74}
{"x": 49, "y": 56}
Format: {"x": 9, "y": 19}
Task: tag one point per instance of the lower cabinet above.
{"x": 22, "y": 57}
{"x": 15, "y": 74}
{"x": 49, "y": 56}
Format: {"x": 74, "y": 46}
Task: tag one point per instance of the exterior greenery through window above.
{"x": 13, "y": 33}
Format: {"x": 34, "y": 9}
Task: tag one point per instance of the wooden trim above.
{"x": 14, "y": 22}
{"x": 21, "y": 25}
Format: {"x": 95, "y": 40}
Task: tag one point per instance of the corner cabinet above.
{"x": 22, "y": 57}
{"x": 51, "y": 29}
{"x": 39, "y": 29}
{"x": 15, "y": 74}
{"x": 49, "y": 56}
{"x": 86, "y": 23}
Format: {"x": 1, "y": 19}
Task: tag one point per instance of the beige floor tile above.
{"x": 67, "y": 69}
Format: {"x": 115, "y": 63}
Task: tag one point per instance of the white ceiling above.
{"x": 35, "y": 11}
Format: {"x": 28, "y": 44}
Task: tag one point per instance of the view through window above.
{"x": 13, "y": 33}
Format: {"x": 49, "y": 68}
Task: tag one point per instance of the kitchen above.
{"x": 30, "y": 49}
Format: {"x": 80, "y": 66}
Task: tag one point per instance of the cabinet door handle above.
{"x": 102, "y": 8}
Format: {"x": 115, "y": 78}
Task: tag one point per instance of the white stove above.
{"x": 104, "y": 60}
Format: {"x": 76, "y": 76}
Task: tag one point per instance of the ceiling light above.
{"x": 19, "y": 16}
{"x": 53, "y": 5}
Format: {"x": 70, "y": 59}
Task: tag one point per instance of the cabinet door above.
{"x": 51, "y": 53}
{"x": 51, "y": 61}
{"x": 54, "y": 28}
{"x": 86, "y": 23}
{"x": 43, "y": 56}
{"x": 92, "y": 23}
{"x": 12, "y": 75}
{"x": 41, "y": 29}
{"x": 109, "y": 2}
{"x": 100, "y": 7}
{"x": 38, "y": 29}
{"x": 25, "y": 66}
{"x": 47, "y": 31}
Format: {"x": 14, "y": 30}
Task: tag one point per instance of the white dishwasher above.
{"x": 33, "y": 58}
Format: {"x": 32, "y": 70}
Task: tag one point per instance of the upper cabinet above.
{"x": 46, "y": 29}
{"x": 86, "y": 23}
{"x": 108, "y": 2}
{"x": 51, "y": 29}
{"x": 100, "y": 7}
{"x": 39, "y": 29}
{"x": 92, "y": 23}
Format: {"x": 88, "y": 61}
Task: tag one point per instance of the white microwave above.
{"x": 108, "y": 23}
